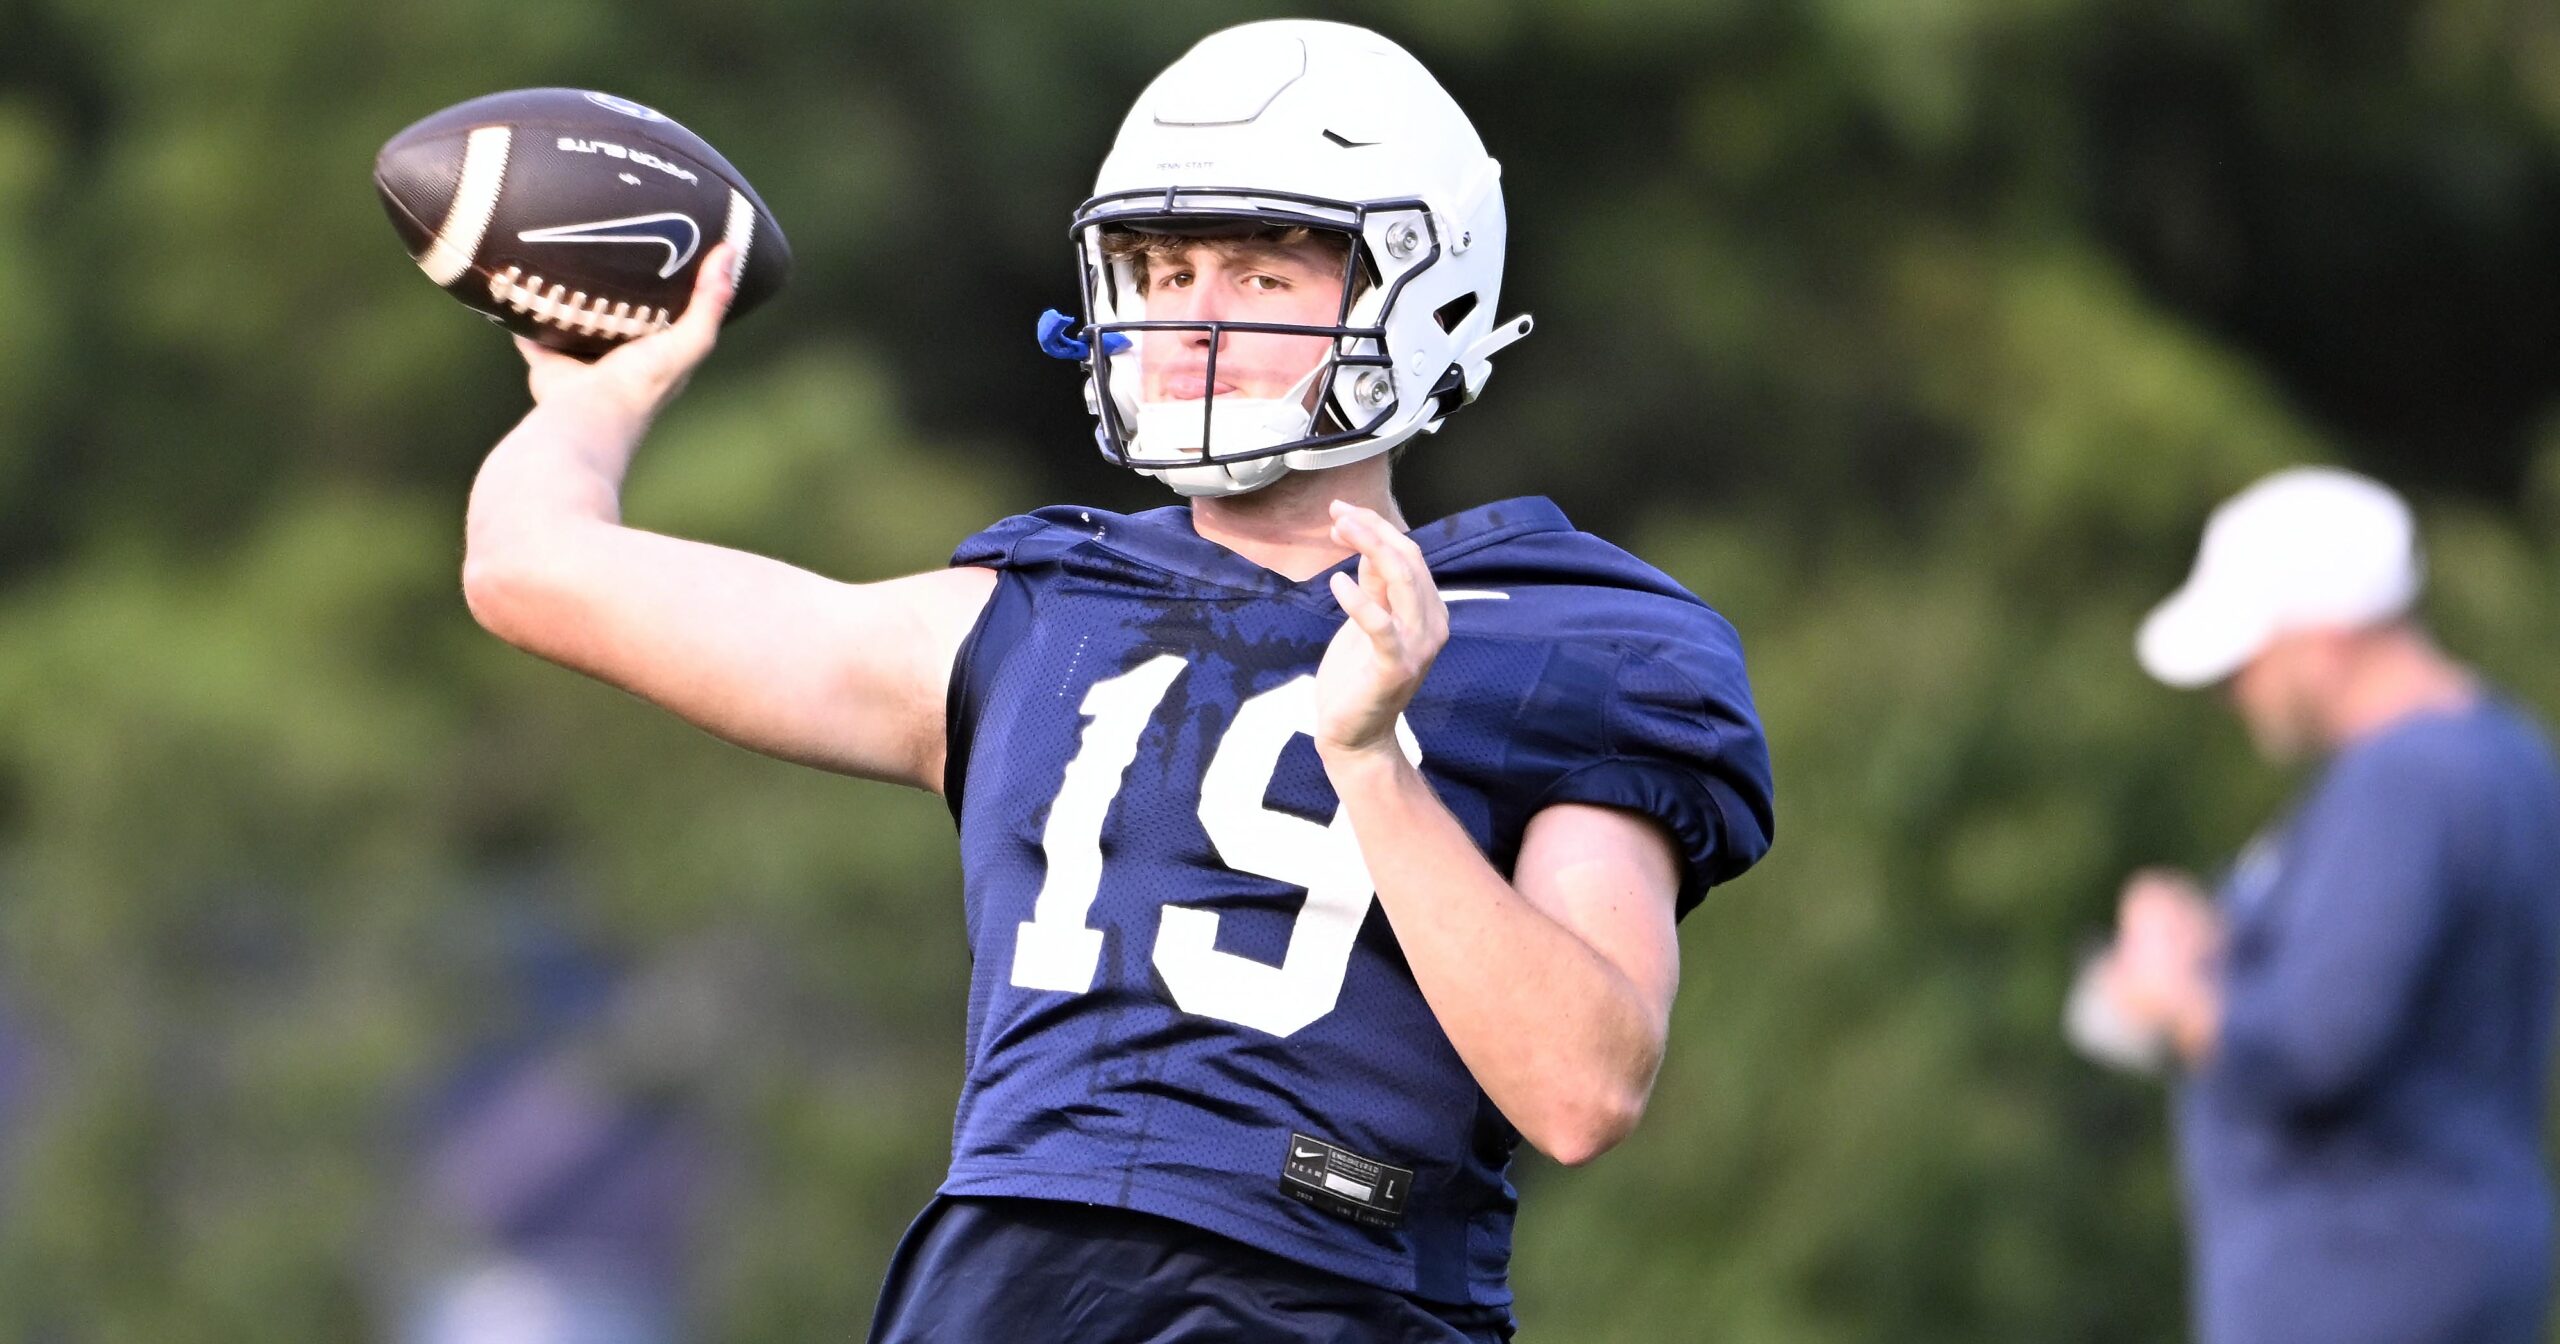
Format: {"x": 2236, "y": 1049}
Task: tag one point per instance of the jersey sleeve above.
{"x": 1681, "y": 743}
{"x": 997, "y": 545}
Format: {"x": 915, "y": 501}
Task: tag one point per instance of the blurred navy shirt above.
{"x": 2362, "y": 1152}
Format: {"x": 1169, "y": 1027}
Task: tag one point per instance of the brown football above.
{"x": 573, "y": 217}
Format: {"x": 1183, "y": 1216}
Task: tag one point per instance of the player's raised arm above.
{"x": 848, "y": 677}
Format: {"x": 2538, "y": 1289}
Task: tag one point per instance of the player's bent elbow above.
{"x": 506, "y": 591}
{"x": 1579, "y": 1133}
{"x": 489, "y": 589}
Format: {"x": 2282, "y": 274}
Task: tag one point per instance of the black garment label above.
{"x": 1345, "y": 1184}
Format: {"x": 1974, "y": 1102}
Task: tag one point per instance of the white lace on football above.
{"x": 556, "y": 306}
{"x": 741, "y": 232}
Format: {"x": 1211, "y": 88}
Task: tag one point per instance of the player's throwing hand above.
{"x": 1396, "y": 627}
{"x": 643, "y": 375}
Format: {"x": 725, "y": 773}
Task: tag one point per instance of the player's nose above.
{"x": 1203, "y": 337}
{"x": 1206, "y": 301}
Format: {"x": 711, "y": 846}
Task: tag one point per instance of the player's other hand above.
{"x": 639, "y": 377}
{"x": 1377, "y": 660}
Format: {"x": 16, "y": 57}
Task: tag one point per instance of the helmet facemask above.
{"x": 1225, "y": 442}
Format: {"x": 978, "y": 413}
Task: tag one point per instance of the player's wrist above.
{"x": 599, "y": 412}
{"x": 1361, "y": 762}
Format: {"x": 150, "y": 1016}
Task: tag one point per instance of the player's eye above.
{"x": 1267, "y": 284}
{"x": 1175, "y": 279}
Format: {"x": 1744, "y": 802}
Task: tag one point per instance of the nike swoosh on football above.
{"x": 669, "y": 229}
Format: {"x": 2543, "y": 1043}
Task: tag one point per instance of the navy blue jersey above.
{"x": 1184, "y": 999}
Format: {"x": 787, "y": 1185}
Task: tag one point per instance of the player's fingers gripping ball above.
{"x": 648, "y": 371}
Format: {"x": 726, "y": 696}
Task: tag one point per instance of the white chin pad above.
{"x": 1172, "y": 436}
{"x": 1174, "y": 433}
{"x": 1167, "y": 445}
{"x": 1234, "y": 478}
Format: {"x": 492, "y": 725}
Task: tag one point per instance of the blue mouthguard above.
{"x": 1058, "y": 338}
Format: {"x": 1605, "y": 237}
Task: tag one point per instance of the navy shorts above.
{"x": 1029, "y": 1271}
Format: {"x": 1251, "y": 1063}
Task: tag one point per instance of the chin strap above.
{"x": 1058, "y": 339}
{"x": 1497, "y": 338}
{"x": 1461, "y": 382}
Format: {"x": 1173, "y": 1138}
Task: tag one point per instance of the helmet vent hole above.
{"x": 1455, "y": 311}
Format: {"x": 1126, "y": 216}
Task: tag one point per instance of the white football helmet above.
{"x": 1300, "y": 123}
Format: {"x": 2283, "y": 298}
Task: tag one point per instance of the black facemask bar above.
{"x": 1179, "y": 210}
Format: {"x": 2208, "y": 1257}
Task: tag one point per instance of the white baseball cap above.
{"x": 2305, "y": 548}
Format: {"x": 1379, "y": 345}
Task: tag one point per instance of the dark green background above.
{"x": 1917, "y": 335}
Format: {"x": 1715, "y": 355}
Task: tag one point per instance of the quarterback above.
{"x": 1312, "y": 860}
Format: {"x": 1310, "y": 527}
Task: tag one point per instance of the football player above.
{"x": 1312, "y": 861}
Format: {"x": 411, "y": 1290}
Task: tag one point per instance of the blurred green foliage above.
{"x": 1916, "y": 336}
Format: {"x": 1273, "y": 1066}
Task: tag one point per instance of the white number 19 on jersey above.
{"x": 1055, "y": 950}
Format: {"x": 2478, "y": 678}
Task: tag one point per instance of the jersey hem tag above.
{"x": 1345, "y": 1184}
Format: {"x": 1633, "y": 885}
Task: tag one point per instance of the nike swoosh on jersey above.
{"x": 669, "y": 229}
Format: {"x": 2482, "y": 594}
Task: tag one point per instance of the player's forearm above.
{"x": 563, "y": 462}
{"x": 1556, "y": 1035}
{"x": 549, "y": 567}
{"x": 545, "y": 495}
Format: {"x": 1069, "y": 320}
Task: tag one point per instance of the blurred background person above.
{"x": 2363, "y": 1014}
